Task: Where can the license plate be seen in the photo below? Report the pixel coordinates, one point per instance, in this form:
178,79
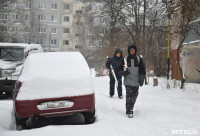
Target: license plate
55,105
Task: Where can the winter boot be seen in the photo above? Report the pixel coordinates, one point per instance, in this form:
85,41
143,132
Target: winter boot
130,115
120,97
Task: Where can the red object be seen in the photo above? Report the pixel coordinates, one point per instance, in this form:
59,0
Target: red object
19,84
176,73
28,108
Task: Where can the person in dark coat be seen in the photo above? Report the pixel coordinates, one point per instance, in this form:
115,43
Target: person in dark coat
115,61
133,77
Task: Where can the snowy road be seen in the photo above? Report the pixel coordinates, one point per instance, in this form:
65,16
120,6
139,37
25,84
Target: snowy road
157,113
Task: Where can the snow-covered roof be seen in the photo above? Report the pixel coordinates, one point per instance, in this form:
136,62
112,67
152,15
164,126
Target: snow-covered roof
23,45
196,20
26,46
192,42
60,65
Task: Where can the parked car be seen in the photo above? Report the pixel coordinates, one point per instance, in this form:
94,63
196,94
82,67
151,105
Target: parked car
12,56
52,85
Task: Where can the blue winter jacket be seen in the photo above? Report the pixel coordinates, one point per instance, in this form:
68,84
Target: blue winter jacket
115,61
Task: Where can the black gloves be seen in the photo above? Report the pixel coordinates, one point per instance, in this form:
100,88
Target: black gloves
124,73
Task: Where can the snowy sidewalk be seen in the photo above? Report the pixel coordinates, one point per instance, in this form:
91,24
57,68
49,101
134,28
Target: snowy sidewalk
157,113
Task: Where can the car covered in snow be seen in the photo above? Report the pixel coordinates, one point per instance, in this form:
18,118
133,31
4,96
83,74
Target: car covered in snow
52,85
12,56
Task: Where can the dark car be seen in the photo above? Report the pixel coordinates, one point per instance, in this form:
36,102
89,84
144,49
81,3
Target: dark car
12,56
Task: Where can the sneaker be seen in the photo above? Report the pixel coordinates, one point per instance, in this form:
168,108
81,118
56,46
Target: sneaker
130,115
120,97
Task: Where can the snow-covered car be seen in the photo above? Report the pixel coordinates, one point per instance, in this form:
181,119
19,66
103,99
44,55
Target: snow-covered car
52,85
12,56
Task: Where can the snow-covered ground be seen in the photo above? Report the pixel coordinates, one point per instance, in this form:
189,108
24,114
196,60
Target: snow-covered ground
158,112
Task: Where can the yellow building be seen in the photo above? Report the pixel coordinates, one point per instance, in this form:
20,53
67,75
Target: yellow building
72,24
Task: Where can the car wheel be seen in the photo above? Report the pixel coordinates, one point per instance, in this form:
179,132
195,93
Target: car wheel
20,123
89,117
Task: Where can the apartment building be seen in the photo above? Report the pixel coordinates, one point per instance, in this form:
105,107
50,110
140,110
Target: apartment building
72,25
55,24
43,23
95,34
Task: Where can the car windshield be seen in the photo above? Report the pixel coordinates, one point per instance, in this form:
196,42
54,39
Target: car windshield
12,54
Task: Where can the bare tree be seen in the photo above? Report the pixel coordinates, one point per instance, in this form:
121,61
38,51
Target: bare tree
144,20
140,22
6,8
189,11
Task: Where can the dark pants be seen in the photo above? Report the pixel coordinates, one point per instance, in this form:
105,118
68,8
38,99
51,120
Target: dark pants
112,85
131,96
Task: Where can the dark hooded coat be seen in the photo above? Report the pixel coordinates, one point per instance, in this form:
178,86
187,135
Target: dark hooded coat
115,61
136,69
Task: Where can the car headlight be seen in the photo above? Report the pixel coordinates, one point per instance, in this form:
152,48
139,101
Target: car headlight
6,73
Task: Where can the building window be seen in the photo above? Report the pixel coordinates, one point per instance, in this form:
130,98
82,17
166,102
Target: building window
15,17
91,56
14,29
53,42
77,35
15,4
66,18
53,18
100,44
79,23
91,44
27,40
27,30
42,5
90,19
66,42
79,11
78,46
90,32
42,29
54,6
3,28
100,31
66,30
41,18
66,7
28,5
26,17
42,41
3,17
54,30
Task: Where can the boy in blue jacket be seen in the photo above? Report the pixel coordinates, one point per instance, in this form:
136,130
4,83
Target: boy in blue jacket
115,61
